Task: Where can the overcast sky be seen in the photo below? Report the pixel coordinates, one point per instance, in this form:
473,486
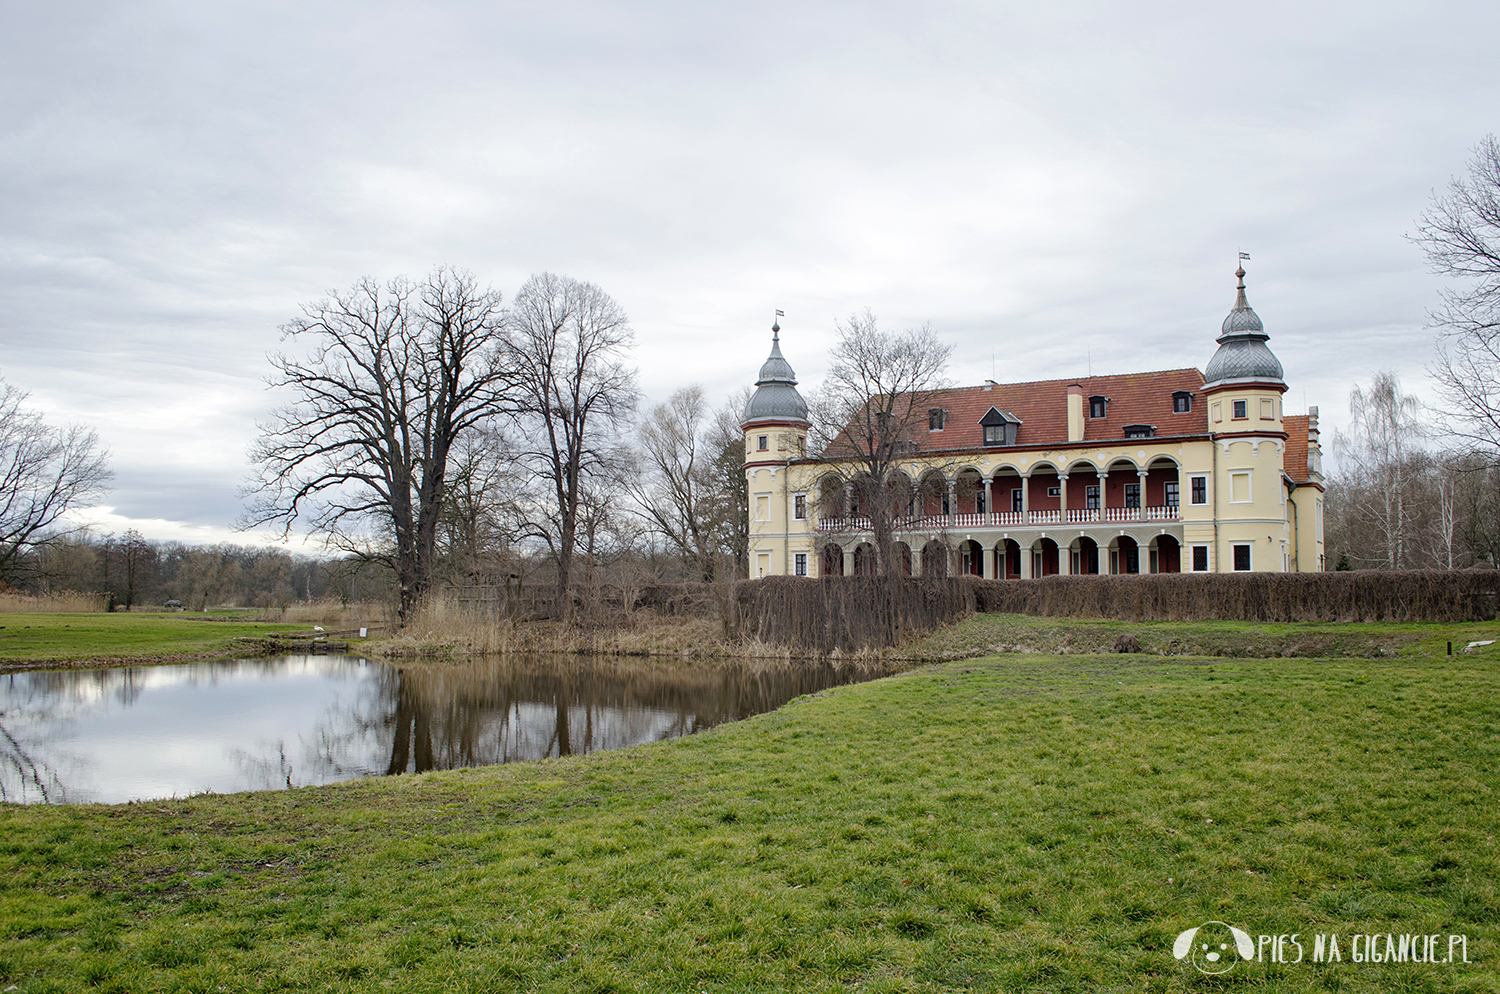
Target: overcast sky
1050,185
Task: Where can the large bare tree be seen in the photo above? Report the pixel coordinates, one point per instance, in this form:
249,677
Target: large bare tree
865,416
568,343
45,471
1460,233
396,375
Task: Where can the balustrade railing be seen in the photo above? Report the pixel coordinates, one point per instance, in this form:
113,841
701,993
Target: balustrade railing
1000,519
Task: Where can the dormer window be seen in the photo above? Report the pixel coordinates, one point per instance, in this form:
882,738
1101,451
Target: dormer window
1182,402
1097,406
1140,431
1000,427
936,417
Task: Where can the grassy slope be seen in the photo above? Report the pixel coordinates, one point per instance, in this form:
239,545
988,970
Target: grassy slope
79,637
987,634
1024,823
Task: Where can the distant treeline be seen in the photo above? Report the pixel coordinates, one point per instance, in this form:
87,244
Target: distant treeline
132,572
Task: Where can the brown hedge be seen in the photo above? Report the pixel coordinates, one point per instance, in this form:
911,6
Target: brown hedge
851,613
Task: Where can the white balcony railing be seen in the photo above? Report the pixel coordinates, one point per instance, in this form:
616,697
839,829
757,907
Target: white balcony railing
1012,519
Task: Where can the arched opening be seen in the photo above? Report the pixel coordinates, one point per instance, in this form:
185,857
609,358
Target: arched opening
1163,490
932,495
935,559
1005,495
833,504
1044,558
864,559
901,498
832,563
1008,560
1087,554
901,552
1167,556
1125,557
969,492
971,558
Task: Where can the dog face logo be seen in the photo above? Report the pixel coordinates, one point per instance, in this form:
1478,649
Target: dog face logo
1213,947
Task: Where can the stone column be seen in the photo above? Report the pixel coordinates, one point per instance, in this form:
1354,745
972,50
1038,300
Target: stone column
1140,475
1062,498
1025,507
1103,489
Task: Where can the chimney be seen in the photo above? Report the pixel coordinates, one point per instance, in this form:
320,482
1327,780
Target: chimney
1075,412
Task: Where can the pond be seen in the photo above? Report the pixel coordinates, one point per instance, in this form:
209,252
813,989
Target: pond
132,733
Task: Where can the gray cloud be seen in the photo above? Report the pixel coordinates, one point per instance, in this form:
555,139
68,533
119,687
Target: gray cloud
1049,185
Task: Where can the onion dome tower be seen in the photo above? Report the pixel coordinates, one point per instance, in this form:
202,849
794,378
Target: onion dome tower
776,400
1243,357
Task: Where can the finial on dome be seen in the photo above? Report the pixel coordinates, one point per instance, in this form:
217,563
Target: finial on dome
776,326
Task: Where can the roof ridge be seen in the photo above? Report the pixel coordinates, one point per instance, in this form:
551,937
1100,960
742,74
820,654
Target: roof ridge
1064,379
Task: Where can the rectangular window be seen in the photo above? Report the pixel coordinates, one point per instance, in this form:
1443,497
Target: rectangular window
1054,491
1200,559
1015,500
1169,493
801,445
1182,402
979,502
762,507
994,434
763,443
1091,498
935,419
1097,406
1239,410
1318,516
781,443
1200,489
800,559
1266,412
1242,558
1239,488
1132,495
799,507
1218,412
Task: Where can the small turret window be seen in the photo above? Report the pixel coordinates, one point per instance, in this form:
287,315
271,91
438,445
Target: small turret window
1182,402
1240,410
763,443
1098,406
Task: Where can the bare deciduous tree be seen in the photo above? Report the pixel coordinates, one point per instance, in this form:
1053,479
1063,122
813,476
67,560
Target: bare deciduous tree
675,490
1376,459
567,342
397,375
872,400
45,471
1460,233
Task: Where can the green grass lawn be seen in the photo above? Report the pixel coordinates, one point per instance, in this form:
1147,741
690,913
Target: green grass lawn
987,634
1011,824
77,637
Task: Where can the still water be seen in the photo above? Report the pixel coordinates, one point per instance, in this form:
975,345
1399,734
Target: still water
110,735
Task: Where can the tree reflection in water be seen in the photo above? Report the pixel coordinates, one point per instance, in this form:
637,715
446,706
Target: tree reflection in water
250,724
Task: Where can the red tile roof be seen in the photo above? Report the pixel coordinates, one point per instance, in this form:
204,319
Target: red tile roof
1295,459
1042,407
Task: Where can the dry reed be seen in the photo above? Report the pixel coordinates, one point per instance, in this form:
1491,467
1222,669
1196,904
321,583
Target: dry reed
331,612
62,602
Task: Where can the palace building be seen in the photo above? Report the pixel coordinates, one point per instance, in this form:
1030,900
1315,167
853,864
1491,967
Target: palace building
1158,472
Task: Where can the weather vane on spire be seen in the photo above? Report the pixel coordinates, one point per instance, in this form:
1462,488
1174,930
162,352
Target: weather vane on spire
776,325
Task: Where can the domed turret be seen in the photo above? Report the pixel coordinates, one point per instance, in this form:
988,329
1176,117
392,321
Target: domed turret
1243,356
776,397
